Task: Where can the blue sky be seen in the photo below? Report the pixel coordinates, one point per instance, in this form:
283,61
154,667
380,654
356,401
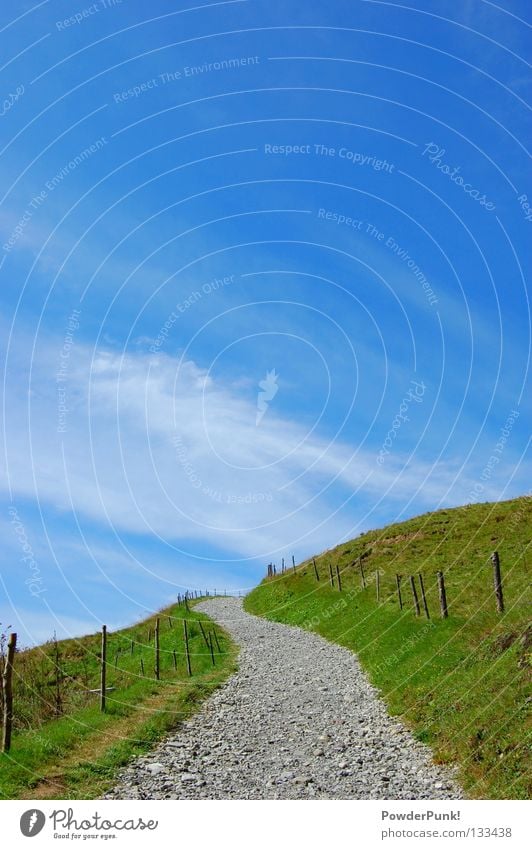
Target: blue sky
315,212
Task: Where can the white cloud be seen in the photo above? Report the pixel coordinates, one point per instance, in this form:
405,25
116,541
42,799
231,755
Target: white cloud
156,446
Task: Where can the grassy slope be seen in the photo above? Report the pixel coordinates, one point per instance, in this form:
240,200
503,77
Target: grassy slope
77,755
462,683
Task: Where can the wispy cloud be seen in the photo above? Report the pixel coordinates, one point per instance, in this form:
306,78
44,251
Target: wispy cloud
155,446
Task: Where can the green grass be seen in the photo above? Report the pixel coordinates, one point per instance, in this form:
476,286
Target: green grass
77,755
463,684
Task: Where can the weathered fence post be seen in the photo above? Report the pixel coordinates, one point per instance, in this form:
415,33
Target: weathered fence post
187,652
132,646
316,569
141,667
398,582
293,563
414,595
203,634
442,594
2,661
362,575
103,676
378,585
331,577
215,635
211,648
58,678
422,585
338,578
497,582
7,687
157,651
175,659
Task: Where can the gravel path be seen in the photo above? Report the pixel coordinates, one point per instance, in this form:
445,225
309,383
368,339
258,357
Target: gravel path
298,720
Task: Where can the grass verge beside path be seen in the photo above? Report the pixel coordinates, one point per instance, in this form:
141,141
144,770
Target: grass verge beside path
463,684
77,755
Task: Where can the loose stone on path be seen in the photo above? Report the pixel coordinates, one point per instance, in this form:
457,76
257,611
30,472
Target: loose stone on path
298,720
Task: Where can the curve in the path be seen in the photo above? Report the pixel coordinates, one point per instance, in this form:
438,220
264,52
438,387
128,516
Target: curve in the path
298,720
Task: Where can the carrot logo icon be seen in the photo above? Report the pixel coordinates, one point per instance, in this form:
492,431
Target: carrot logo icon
269,391
32,822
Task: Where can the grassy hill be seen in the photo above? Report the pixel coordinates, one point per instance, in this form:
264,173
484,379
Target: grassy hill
462,683
63,746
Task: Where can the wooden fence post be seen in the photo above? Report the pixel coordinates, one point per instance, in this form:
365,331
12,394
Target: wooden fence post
58,678
7,687
157,651
378,585
338,578
103,676
203,634
175,659
316,569
497,582
442,594
187,652
362,575
398,582
141,667
414,595
425,605
211,648
293,563
215,635
331,577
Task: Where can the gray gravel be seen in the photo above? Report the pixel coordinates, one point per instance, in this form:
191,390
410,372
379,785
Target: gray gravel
298,720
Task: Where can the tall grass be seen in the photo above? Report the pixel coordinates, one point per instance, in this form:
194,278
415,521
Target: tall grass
60,733
462,683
